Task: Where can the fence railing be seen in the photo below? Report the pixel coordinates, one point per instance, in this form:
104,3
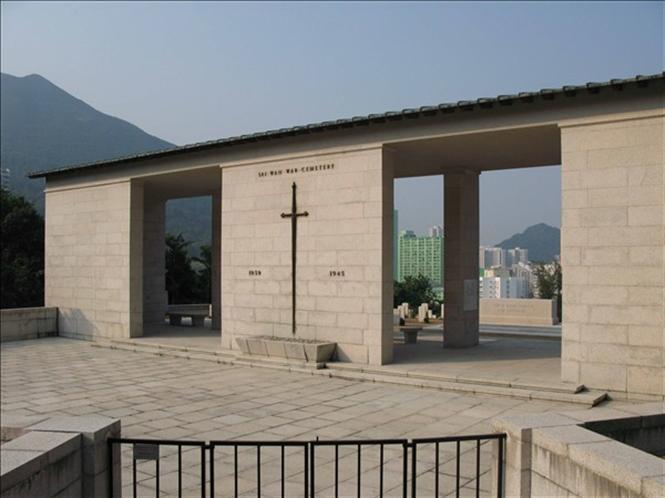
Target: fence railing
443,466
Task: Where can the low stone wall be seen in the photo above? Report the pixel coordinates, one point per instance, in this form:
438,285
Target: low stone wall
518,312
556,454
18,324
62,456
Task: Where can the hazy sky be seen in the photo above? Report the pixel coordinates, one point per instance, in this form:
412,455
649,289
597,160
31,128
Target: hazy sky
188,72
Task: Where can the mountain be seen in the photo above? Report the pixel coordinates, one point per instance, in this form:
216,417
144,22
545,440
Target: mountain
543,242
44,127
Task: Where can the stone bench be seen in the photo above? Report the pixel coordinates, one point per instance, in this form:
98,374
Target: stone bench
410,334
197,312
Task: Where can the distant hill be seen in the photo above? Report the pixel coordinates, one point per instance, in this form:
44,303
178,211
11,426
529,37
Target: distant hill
543,242
44,127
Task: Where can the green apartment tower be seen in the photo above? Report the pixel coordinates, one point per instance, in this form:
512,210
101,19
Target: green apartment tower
420,255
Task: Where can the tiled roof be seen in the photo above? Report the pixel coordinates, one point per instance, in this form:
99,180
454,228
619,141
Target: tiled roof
546,94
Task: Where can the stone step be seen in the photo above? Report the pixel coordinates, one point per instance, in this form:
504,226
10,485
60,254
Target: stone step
551,387
153,346
584,397
545,336
348,371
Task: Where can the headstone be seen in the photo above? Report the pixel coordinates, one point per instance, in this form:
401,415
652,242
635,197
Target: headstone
404,310
423,310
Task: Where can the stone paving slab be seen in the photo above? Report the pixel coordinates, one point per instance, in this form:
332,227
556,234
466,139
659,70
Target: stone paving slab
167,397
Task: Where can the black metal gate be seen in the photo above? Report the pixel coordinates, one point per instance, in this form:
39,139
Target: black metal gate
444,466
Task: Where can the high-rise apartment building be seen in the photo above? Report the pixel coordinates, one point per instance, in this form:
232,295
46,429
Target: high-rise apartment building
420,255
493,256
516,256
503,288
436,231
5,178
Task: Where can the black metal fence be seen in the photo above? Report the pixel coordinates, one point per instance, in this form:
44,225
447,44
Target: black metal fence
439,466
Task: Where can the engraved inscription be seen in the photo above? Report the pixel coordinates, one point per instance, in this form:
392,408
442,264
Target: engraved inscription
337,273
254,273
293,171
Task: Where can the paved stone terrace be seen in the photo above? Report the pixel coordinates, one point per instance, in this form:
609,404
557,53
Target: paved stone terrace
160,397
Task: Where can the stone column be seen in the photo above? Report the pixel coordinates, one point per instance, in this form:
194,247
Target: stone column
216,274
612,239
461,222
136,213
155,300
383,354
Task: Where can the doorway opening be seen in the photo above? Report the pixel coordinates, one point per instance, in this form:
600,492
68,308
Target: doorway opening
182,258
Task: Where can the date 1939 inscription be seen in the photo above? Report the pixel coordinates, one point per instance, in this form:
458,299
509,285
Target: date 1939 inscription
301,169
254,273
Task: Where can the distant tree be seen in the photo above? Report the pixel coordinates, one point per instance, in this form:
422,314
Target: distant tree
204,274
413,290
22,242
181,279
548,282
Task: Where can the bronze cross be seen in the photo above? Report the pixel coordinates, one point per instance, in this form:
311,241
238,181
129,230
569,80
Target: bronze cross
294,215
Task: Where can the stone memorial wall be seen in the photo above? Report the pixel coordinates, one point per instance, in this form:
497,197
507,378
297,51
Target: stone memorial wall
347,198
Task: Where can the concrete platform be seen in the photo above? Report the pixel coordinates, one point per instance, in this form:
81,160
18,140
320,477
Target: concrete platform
511,359
521,367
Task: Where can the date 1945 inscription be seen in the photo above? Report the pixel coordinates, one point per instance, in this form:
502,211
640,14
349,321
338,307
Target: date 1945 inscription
337,273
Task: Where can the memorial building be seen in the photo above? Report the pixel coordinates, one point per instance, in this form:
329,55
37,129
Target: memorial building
303,226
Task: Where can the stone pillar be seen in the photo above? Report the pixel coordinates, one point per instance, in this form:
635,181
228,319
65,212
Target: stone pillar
384,353
612,239
155,299
136,213
461,221
216,274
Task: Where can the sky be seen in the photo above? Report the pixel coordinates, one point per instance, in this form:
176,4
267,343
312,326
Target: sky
188,72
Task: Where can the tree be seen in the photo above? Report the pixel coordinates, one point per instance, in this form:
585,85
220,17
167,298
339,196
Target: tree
549,283
204,275
413,290
22,234
181,279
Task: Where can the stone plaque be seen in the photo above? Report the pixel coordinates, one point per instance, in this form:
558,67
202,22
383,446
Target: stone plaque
470,294
144,451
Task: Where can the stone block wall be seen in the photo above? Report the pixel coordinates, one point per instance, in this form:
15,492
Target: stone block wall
556,454
87,259
341,280
518,311
28,323
62,456
612,243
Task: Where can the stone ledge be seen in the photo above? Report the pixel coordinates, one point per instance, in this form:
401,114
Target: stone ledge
558,439
617,462
548,444
56,444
